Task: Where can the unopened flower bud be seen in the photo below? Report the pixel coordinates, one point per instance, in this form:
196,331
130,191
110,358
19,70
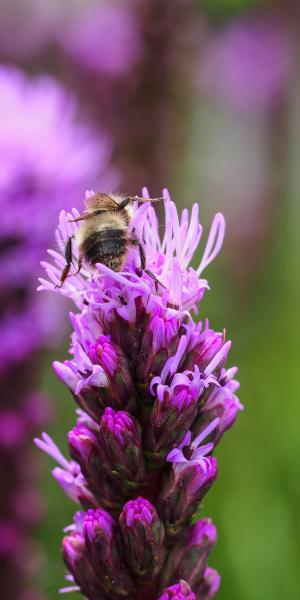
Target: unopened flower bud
83,443
179,591
85,450
120,438
105,354
76,558
209,585
104,546
114,363
143,535
190,558
200,539
183,491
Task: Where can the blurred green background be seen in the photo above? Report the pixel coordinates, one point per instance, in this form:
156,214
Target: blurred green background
239,154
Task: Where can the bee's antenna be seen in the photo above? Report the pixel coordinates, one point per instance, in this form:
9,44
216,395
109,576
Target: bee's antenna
140,199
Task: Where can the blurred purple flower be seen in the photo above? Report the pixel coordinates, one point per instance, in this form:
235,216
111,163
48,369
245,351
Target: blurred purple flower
103,38
46,160
147,381
47,157
26,27
248,63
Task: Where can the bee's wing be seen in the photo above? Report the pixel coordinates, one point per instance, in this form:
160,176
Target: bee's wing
100,201
59,246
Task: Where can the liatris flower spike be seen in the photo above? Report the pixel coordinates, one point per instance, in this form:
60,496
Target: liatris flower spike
154,398
46,156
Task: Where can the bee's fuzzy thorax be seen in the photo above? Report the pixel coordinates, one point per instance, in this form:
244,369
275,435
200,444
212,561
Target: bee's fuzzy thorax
99,223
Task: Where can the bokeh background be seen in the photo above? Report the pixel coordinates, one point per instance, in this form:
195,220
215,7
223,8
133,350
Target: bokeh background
202,97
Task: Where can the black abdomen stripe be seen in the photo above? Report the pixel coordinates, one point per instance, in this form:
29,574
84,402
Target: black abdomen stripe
107,243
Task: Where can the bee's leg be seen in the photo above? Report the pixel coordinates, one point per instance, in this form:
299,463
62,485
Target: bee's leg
68,257
157,282
136,242
141,252
79,263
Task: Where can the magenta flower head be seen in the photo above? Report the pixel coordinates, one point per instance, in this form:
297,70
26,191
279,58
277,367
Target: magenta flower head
155,397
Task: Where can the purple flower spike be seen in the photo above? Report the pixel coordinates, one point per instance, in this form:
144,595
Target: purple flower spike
179,591
155,397
48,155
143,535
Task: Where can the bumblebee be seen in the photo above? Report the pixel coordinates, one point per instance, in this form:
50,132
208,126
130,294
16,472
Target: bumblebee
104,236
